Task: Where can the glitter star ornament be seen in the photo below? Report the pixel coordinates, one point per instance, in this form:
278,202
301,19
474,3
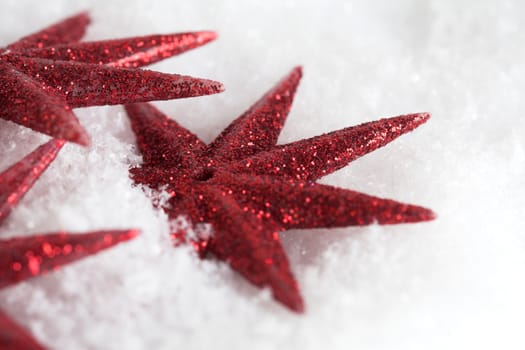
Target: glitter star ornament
25,257
46,74
250,189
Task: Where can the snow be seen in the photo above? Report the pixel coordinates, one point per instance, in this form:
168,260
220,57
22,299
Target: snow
453,283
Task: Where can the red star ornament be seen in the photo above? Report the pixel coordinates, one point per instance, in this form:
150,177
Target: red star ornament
46,74
22,258
249,188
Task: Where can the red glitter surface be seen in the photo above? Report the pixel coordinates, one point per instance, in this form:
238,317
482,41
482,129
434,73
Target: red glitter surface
250,189
18,179
14,337
46,74
25,257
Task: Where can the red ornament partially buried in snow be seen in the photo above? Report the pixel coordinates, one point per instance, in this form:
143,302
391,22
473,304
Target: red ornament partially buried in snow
249,188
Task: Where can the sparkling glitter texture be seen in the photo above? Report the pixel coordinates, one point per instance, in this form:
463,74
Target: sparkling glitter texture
249,188
25,257
18,179
46,74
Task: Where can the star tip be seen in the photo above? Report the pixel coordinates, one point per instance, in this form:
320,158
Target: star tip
296,73
74,133
410,121
420,118
81,138
84,142
419,214
206,36
214,87
424,116
298,307
119,236
296,304
289,296
428,215
204,87
400,213
220,87
132,233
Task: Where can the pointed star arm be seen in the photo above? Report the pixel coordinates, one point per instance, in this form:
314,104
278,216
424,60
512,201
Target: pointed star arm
298,204
22,258
69,30
161,140
20,177
313,158
259,127
86,84
12,336
128,52
27,103
252,247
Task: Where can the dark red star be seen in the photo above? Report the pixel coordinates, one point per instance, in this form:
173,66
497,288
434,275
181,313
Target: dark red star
46,74
249,188
26,257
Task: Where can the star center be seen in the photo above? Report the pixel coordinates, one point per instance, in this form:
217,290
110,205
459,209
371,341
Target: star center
204,174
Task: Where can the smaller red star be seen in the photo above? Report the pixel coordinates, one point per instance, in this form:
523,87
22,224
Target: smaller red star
46,74
250,189
22,258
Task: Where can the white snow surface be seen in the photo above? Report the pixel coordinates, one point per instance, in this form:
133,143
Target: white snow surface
455,283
